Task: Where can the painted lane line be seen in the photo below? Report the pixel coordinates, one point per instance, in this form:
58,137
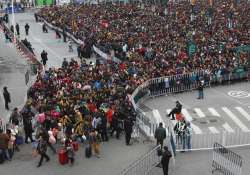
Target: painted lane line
159,119
213,130
243,112
214,112
235,119
226,126
199,112
188,117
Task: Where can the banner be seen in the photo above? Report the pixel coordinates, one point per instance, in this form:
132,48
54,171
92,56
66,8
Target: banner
62,2
43,2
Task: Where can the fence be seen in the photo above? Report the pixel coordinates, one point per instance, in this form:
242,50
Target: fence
144,164
97,50
226,161
186,82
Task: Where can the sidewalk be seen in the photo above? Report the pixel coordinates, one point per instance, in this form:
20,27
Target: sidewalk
12,75
43,41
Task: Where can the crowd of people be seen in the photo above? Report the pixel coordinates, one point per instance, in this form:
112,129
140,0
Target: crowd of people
82,101
157,39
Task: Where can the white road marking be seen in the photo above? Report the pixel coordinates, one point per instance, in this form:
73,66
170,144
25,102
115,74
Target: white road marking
235,119
199,112
243,112
188,117
213,130
226,126
214,112
159,119
229,97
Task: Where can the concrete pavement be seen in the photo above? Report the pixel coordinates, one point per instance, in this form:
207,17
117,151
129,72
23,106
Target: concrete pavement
12,74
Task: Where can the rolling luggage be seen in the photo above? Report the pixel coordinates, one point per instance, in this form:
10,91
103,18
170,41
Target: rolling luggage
63,157
88,152
75,146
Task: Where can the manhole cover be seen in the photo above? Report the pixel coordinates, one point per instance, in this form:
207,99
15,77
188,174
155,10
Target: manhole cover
212,120
203,122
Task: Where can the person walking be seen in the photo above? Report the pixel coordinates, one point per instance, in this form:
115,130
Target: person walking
42,149
27,128
160,135
17,29
128,128
15,117
44,56
12,28
104,129
166,155
200,90
27,27
69,150
7,98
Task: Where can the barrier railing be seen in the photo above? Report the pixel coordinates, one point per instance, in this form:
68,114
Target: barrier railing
35,65
186,82
144,164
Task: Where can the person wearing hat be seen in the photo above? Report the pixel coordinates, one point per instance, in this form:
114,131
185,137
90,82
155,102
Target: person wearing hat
6,96
166,155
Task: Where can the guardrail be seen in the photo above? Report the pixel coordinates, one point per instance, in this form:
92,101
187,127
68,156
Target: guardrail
186,82
35,65
103,55
144,164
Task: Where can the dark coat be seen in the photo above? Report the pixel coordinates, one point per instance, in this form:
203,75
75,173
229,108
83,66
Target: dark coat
6,96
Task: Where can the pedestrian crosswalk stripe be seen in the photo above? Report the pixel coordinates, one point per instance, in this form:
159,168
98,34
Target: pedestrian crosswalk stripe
214,112
187,115
159,119
243,112
213,130
227,127
235,119
199,112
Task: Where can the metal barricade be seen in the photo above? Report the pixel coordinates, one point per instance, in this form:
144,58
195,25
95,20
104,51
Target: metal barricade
144,164
226,161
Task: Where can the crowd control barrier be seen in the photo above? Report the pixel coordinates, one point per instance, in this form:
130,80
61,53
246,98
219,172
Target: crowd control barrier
97,50
35,65
144,164
186,82
226,161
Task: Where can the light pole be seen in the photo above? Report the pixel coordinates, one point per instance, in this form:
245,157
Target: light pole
13,20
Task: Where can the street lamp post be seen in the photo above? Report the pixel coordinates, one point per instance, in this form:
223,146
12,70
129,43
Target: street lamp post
13,20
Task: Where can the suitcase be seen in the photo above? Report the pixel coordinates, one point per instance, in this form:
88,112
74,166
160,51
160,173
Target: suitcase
88,152
62,157
75,146
19,140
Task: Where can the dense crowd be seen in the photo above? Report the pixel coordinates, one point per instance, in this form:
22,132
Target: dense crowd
156,39
80,101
